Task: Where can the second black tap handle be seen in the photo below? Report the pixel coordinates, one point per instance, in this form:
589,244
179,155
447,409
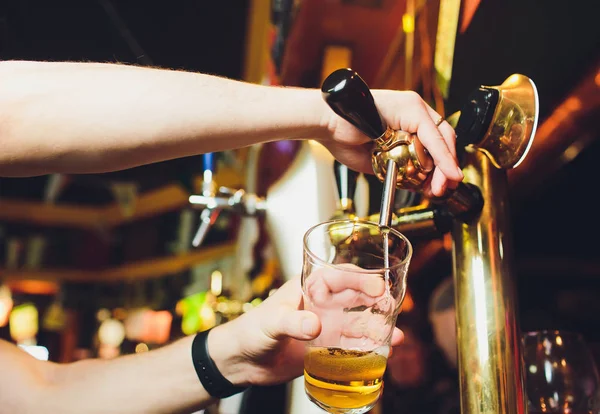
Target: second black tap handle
349,97
346,180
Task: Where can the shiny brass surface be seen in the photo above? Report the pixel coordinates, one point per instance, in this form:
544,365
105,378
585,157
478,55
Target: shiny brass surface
514,122
346,210
347,205
415,221
411,158
389,140
489,347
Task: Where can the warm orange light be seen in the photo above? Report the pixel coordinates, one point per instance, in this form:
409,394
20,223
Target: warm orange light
119,314
408,304
448,242
573,103
146,325
162,327
469,9
33,287
335,57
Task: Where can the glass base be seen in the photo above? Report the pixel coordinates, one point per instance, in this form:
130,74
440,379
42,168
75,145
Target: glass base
336,410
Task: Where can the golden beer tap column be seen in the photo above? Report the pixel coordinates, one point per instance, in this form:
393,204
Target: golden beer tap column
489,344
491,376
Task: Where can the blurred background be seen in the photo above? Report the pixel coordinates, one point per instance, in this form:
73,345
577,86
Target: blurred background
103,265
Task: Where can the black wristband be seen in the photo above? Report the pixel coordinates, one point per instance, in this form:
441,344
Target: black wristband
209,375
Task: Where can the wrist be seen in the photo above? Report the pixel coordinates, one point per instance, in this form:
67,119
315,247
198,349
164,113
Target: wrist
225,350
325,122
305,109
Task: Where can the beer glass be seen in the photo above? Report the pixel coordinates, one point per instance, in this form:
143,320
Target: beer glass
561,373
354,279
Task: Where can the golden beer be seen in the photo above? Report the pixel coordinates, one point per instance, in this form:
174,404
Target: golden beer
343,380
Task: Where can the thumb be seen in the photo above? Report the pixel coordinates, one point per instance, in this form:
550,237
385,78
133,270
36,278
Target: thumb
297,324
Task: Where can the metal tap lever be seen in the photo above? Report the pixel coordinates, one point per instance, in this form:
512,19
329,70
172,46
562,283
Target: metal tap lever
237,201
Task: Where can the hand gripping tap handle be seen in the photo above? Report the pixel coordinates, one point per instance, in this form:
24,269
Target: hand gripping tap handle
399,159
349,97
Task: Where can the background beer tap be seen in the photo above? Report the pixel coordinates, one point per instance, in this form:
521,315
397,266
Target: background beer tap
215,199
209,190
347,181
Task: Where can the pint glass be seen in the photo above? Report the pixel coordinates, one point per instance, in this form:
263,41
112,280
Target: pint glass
354,279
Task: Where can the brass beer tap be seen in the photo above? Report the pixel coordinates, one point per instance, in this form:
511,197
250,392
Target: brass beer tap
495,129
214,200
398,157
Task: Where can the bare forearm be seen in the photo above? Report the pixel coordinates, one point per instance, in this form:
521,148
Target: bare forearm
161,381
82,117
150,383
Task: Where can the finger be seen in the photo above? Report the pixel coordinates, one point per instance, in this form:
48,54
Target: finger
420,122
449,136
445,129
337,280
319,294
439,183
397,337
301,325
427,185
432,139
289,294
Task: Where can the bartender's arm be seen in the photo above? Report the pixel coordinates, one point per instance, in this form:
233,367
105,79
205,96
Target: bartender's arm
263,346
91,117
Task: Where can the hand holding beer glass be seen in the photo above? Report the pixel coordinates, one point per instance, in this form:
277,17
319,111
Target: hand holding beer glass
354,280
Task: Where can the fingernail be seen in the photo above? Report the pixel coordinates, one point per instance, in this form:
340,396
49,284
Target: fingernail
460,173
307,327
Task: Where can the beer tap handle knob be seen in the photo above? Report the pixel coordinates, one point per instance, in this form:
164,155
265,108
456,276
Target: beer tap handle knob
346,181
349,96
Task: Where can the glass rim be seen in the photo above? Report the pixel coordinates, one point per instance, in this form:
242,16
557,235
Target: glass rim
322,262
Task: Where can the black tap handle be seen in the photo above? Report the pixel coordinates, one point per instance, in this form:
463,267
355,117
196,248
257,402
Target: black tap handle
476,116
346,180
349,97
